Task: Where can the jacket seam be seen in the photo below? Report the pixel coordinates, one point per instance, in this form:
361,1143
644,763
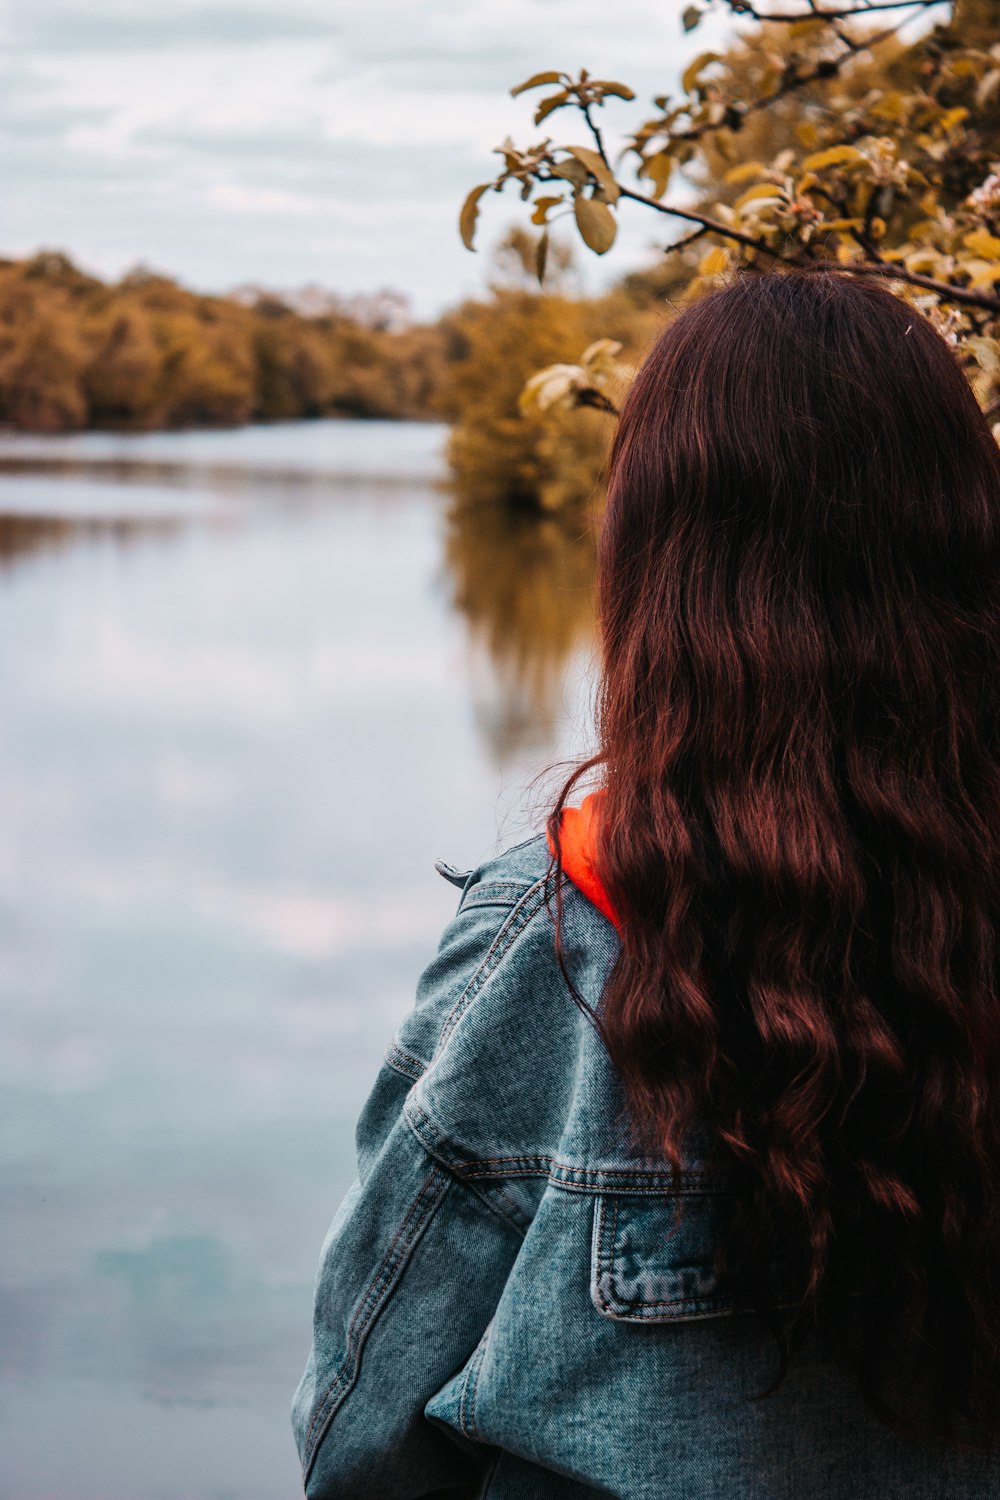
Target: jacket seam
560,1174
470,1386
531,902
421,1209
405,1062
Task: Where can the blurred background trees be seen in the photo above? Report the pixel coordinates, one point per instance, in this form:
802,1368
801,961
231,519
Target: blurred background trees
145,352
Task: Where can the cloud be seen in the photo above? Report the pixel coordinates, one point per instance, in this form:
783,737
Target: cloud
195,137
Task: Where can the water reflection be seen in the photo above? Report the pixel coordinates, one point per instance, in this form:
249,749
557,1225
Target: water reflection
25,536
252,688
525,585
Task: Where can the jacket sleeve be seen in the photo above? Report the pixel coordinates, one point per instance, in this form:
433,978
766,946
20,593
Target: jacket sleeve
411,1271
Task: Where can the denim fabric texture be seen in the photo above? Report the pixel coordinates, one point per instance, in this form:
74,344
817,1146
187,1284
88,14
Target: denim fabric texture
509,1304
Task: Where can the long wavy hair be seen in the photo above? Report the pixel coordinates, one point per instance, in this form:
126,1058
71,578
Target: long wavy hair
799,743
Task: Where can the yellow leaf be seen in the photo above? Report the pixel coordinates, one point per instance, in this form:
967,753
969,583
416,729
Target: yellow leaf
596,224
536,81
986,353
470,213
598,168
953,117
694,67
988,277
541,256
744,171
542,206
981,242
891,106
923,262
834,156
612,86
761,191
714,262
657,168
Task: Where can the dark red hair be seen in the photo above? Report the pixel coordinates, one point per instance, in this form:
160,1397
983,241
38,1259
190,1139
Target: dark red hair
799,609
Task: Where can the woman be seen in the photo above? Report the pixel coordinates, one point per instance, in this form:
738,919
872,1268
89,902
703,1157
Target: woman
682,1179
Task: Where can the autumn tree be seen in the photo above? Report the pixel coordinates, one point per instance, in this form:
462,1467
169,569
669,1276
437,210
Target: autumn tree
828,132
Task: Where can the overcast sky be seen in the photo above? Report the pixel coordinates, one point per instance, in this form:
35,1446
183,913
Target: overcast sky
289,141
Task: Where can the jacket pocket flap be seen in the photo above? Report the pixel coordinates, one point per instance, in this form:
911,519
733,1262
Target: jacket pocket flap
652,1259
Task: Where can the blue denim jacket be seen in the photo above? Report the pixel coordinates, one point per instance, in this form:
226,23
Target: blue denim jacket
508,1304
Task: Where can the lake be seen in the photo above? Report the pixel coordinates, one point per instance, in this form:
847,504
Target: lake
253,684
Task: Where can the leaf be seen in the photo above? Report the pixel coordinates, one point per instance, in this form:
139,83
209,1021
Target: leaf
923,262
600,354
535,81
986,278
986,353
598,169
610,86
953,117
694,67
542,206
557,384
891,106
744,171
596,224
987,88
981,242
690,17
657,168
759,193
714,262
553,102
469,214
834,156
573,171
541,256
808,27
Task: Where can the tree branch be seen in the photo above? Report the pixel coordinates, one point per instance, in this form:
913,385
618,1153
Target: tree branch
842,13
966,296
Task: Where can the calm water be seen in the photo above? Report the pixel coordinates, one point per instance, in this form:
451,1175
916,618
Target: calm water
253,683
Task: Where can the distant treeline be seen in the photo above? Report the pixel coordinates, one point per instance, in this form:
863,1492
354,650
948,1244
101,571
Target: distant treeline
76,352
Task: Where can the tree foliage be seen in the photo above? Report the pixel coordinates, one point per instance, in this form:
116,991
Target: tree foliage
513,443
76,352
821,135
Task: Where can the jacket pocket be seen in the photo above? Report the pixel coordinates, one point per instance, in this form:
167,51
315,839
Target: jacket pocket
652,1258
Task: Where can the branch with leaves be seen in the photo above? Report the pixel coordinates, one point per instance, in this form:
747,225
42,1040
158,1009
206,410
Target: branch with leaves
881,157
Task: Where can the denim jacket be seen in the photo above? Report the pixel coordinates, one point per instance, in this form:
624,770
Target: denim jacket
508,1303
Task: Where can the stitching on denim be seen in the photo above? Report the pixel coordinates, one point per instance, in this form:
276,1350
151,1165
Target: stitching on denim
561,1174
520,915
369,1303
405,1062
431,1193
697,1175
369,1299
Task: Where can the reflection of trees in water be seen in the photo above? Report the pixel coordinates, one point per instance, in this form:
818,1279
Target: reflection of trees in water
524,582
24,536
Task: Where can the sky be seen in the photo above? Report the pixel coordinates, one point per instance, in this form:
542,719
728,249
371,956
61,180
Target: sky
286,142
